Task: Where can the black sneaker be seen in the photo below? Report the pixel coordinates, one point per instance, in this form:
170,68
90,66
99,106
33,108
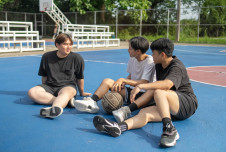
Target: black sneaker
169,137
51,112
106,126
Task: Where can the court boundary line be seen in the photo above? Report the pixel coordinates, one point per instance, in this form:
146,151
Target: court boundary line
105,62
207,71
181,50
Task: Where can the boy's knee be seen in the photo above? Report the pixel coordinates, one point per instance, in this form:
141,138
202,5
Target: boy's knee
158,92
31,93
108,81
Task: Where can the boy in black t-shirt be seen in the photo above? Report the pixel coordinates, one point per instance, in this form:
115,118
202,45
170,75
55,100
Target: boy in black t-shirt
172,92
61,71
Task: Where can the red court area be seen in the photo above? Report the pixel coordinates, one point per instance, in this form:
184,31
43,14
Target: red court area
214,75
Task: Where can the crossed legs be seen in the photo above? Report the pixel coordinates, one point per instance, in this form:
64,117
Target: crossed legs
167,103
40,96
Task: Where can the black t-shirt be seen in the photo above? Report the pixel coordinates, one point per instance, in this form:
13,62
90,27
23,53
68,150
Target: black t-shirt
61,71
177,73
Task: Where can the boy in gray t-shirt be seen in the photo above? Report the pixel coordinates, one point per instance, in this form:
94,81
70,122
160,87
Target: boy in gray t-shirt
141,70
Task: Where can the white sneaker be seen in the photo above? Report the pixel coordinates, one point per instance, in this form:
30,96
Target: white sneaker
121,114
86,105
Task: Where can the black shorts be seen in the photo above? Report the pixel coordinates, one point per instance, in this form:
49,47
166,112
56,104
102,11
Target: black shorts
187,106
54,90
127,98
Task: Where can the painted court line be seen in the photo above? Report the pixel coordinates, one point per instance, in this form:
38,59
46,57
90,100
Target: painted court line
198,52
211,75
104,62
208,83
207,71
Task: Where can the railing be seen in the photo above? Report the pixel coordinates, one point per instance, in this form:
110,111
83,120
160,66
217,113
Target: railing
14,40
15,35
21,46
7,25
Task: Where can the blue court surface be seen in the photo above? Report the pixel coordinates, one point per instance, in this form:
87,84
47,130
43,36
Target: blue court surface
23,130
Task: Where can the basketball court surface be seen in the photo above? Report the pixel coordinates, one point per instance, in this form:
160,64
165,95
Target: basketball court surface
23,130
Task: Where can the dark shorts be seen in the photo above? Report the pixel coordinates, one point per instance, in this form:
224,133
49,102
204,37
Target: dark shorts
188,105
54,90
127,97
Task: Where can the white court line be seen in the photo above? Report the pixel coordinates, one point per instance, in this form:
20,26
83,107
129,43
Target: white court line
90,60
190,68
198,52
208,83
206,71
104,62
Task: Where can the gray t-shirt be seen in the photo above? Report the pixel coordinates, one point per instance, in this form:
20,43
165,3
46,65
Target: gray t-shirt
142,70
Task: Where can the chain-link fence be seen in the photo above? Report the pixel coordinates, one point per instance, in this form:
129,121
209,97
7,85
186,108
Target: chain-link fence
195,23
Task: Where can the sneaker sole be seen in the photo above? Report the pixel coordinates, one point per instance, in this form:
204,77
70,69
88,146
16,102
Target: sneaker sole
51,112
170,144
83,108
99,122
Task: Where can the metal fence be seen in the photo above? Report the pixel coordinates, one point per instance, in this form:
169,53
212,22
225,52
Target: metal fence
194,22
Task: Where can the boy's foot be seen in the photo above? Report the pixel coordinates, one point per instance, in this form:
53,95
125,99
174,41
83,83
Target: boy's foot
169,137
86,105
121,114
51,112
106,126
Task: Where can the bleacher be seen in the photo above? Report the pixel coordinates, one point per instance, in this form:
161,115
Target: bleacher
82,35
19,37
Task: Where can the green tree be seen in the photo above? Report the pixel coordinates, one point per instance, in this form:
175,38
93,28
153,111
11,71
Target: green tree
213,15
31,6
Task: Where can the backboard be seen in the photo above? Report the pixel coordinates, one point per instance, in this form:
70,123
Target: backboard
45,5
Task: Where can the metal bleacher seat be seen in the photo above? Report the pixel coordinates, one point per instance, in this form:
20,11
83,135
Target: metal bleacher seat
19,37
84,35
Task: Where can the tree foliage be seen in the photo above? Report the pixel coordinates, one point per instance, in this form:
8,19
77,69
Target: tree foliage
211,14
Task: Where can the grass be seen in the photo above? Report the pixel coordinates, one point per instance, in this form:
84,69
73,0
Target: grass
183,39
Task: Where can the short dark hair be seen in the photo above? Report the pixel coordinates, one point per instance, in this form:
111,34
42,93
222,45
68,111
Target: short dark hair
61,38
139,43
163,45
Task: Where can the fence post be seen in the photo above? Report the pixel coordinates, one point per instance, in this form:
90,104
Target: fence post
167,34
116,24
178,21
95,17
35,22
141,18
25,17
76,18
6,16
42,25
198,24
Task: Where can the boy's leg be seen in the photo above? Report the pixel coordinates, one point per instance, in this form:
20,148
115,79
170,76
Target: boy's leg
145,115
39,95
124,112
60,102
104,87
64,95
114,129
167,103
